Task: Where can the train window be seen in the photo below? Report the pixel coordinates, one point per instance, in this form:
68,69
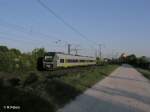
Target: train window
82,61
61,60
72,60
75,60
68,60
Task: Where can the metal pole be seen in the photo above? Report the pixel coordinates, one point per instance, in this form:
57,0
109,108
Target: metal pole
100,51
69,48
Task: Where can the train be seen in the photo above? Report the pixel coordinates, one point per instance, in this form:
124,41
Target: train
54,60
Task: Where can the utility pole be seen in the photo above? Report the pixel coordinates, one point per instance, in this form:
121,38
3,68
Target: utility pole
76,50
96,53
69,48
100,51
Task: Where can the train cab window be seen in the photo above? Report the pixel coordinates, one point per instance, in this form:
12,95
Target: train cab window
48,58
61,60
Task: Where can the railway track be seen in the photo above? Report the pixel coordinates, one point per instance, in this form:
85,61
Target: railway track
66,71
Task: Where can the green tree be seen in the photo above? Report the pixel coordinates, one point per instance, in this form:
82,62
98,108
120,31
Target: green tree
4,49
143,62
132,59
38,52
15,51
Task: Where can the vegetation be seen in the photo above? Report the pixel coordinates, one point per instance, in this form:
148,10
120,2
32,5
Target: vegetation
142,62
70,85
41,94
145,72
28,102
22,85
12,60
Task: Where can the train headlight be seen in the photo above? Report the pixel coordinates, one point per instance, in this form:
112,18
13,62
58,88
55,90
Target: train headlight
48,66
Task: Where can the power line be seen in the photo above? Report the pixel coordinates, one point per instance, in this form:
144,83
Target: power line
64,22
12,39
25,30
21,39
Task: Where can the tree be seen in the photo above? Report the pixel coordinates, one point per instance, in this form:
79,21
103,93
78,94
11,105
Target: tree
132,59
3,49
38,52
15,51
37,55
123,58
143,62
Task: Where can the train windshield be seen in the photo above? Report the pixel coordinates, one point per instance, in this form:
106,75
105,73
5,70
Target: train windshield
49,57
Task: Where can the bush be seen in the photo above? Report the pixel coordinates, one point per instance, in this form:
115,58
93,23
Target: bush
1,82
28,102
14,81
12,60
40,63
32,78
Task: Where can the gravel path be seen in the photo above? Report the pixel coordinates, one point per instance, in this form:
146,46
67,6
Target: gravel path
125,90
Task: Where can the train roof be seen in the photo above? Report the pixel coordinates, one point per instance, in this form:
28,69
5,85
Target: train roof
67,54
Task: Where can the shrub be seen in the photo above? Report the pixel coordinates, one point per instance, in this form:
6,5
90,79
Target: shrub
32,78
14,81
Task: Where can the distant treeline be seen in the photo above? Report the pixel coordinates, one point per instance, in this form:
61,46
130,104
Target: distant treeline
13,60
142,62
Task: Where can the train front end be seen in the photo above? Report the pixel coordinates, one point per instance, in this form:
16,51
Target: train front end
48,61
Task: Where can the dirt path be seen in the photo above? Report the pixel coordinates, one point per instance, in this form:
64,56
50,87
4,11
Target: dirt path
125,90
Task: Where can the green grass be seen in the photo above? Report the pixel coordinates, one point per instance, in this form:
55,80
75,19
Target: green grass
145,72
66,88
82,81
40,94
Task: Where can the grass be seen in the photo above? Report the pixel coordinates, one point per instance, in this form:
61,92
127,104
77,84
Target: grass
37,93
145,72
64,89
28,101
85,80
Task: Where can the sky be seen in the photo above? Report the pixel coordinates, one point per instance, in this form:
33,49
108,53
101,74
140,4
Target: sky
118,25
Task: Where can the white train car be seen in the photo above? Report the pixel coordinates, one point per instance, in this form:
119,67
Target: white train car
53,60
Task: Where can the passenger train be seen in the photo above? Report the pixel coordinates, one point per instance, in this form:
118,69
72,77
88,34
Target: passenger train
53,60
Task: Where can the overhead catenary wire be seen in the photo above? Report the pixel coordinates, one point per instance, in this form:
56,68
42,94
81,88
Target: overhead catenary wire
25,30
20,39
21,42
65,22
14,39
5,36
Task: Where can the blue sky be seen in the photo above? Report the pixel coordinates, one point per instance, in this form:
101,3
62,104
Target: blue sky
119,25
